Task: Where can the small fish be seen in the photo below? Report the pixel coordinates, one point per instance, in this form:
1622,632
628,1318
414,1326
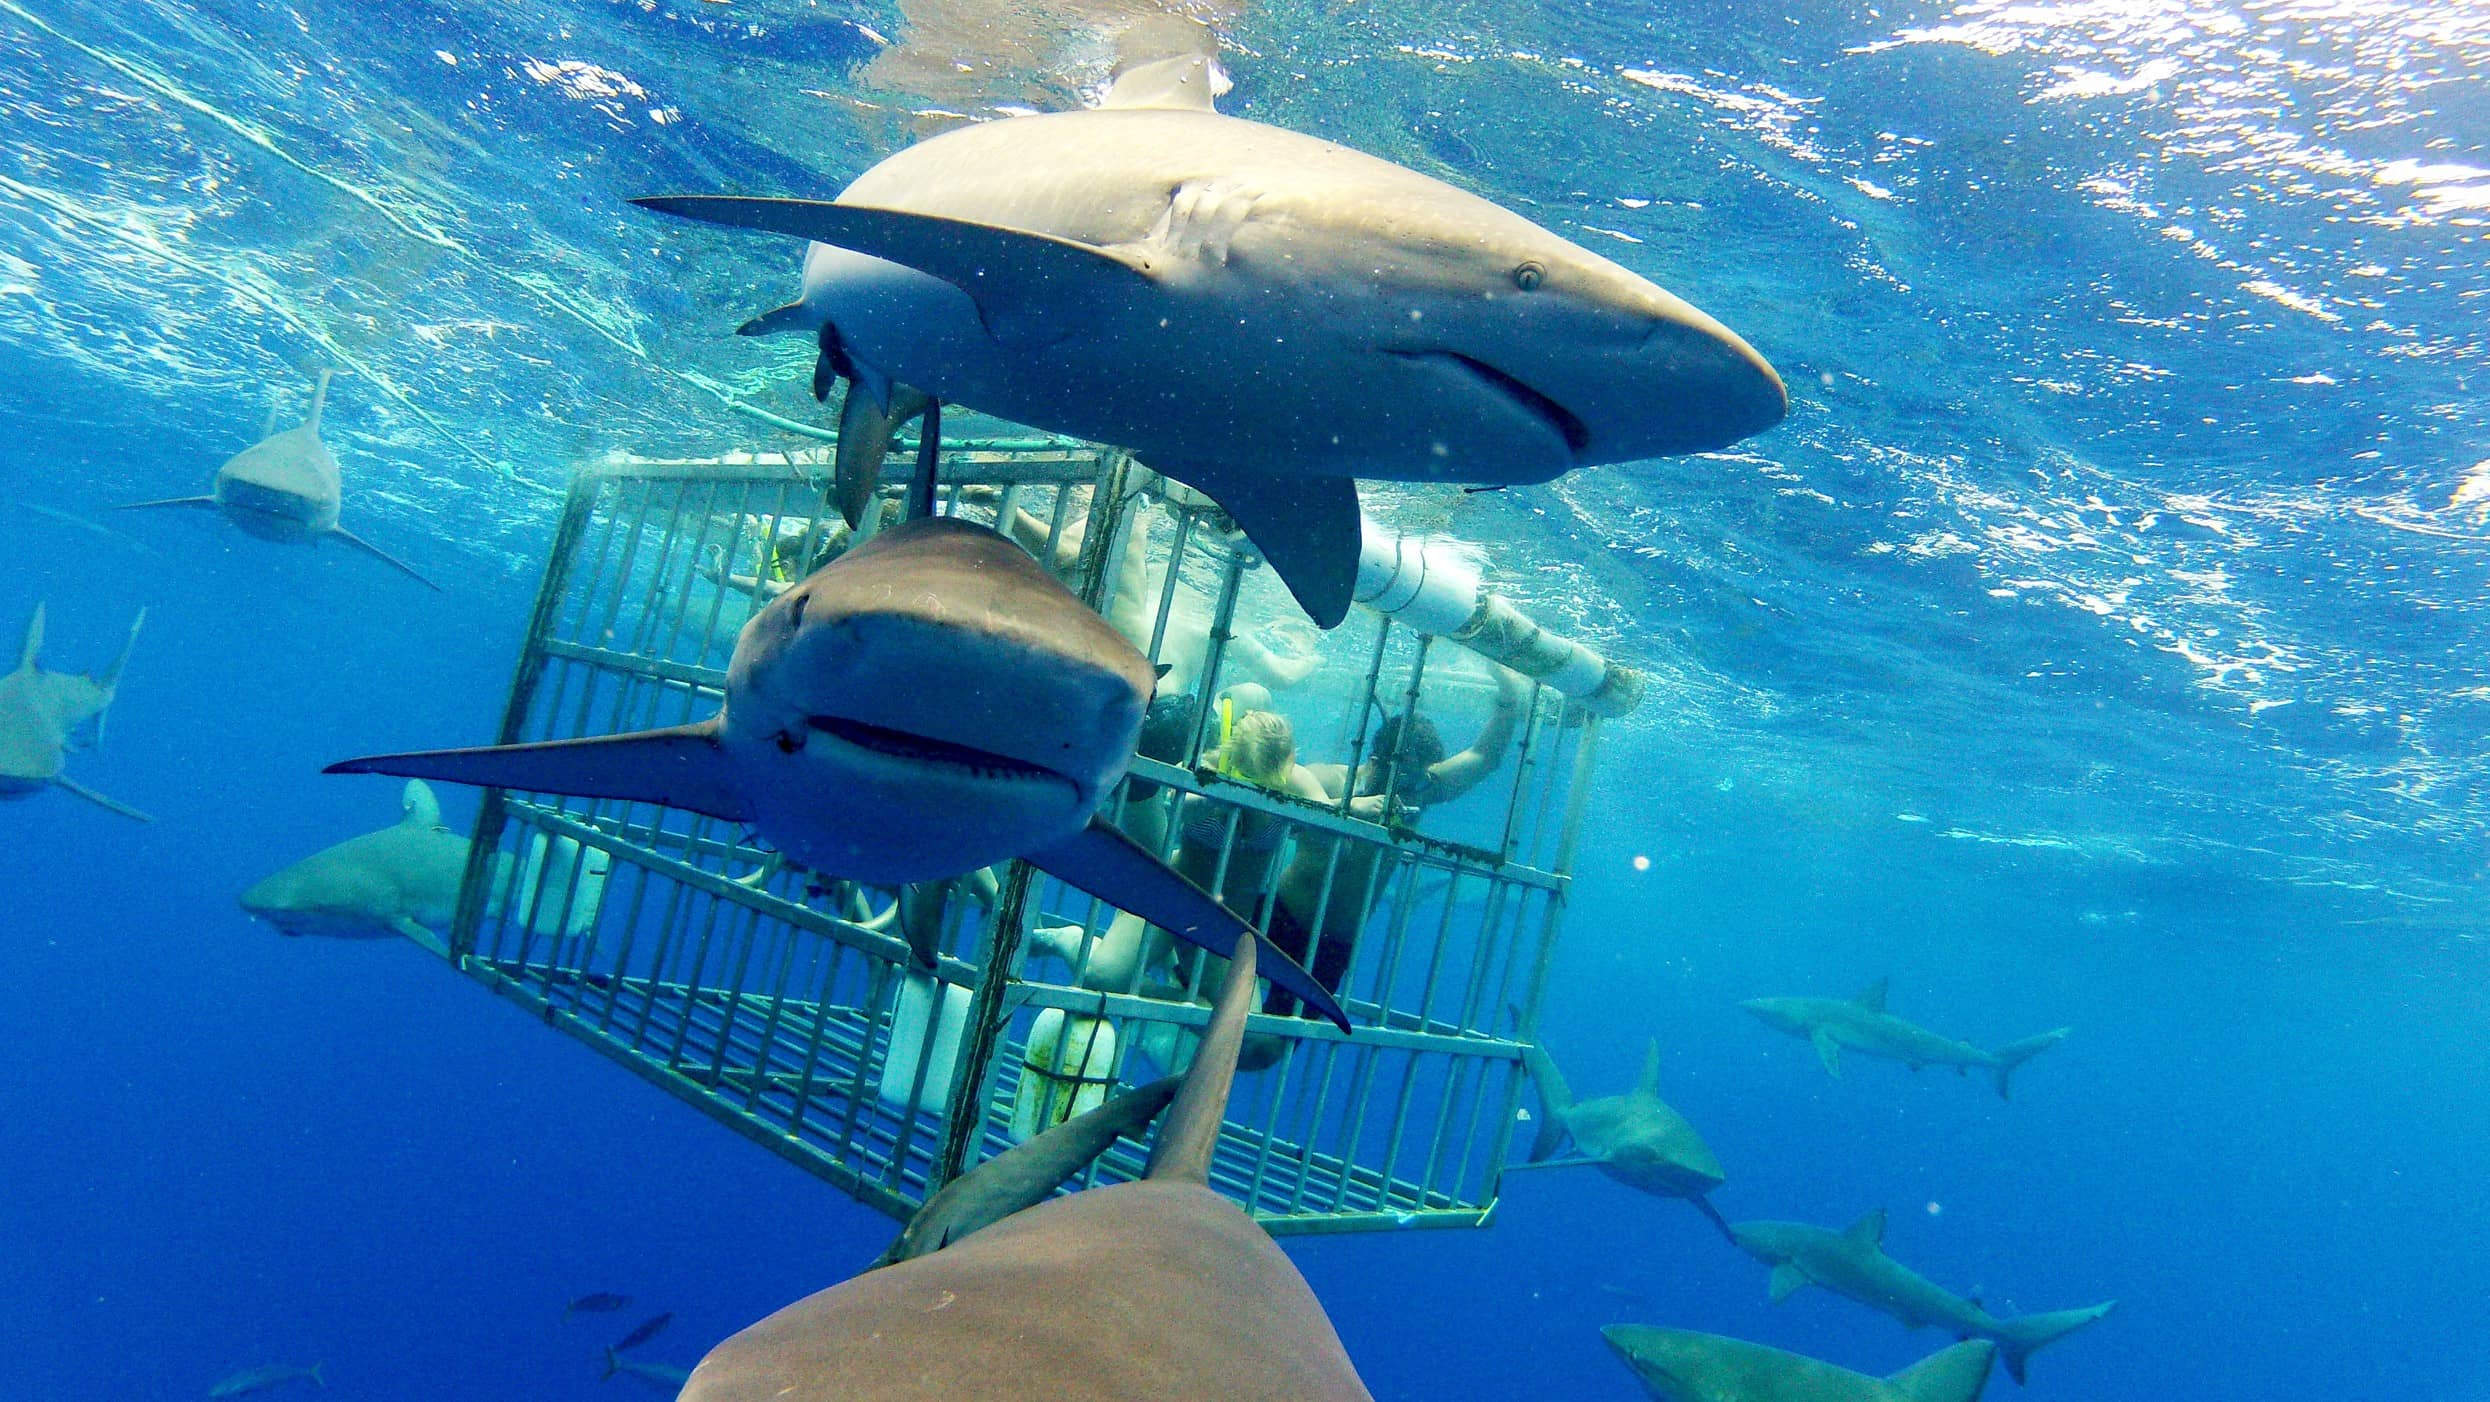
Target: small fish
598,1303
664,1375
251,1380
649,1328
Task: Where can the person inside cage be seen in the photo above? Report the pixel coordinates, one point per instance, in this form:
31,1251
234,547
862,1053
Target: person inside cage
1323,904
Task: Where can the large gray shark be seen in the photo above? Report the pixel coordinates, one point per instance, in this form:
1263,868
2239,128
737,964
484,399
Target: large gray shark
286,488
1138,1292
1863,1025
1636,1138
1261,314
928,703
1853,1264
401,880
1681,1366
44,715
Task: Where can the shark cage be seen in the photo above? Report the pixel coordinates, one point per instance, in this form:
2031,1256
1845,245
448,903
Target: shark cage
887,1041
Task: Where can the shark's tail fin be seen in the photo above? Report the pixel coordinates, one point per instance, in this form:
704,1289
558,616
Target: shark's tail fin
32,653
2019,1338
319,397
1190,1133
317,1379
2015,1054
1555,1099
613,1365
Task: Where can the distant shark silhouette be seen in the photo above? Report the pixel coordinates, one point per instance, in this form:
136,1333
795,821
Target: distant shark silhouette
1852,1263
1139,1292
1264,315
1636,1138
1682,1366
44,715
286,488
1863,1025
928,703
401,880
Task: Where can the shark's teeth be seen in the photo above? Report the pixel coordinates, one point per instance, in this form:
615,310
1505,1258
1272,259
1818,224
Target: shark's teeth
902,745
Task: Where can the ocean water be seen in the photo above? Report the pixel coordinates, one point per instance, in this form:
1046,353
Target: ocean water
2097,644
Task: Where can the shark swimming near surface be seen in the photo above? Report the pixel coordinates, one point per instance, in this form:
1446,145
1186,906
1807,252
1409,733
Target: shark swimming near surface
401,880
930,702
1862,1025
1852,1263
1263,315
44,715
1678,1365
1137,1292
286,488
1636,1138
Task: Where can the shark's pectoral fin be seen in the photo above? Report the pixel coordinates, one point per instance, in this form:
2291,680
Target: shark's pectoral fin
383,556
777,320
1030,288
423,938
1307,527
1027,1175
1104,862
1787,1280
1828,1051
207,502
99,800
681,767
867,419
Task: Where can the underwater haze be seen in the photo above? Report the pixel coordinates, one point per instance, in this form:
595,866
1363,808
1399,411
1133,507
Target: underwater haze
2098,643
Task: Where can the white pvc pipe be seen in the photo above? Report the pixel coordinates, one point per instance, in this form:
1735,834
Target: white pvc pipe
1432,586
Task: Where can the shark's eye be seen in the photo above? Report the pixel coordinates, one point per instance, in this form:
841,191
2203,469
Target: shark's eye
1528,277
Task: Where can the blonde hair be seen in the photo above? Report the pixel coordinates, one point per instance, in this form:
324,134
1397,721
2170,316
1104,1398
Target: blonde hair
1261,748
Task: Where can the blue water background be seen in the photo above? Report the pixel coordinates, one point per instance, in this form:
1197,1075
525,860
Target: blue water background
2098,645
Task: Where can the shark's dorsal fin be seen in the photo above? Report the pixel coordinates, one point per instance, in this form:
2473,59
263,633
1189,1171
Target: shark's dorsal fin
417,806
1030,288
1952,1375
319,398
1869,1230
1650,1083
1187,83
32,653
1872,997
681,766
1190,1133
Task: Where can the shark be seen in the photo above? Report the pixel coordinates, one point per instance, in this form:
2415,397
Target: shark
44,715
1679,1365
1146,1290
1264,315
930,702
1635,1138
1852,1263
285,488
1863,1025
400,880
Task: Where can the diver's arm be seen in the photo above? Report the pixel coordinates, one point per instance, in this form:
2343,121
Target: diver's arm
1453,777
